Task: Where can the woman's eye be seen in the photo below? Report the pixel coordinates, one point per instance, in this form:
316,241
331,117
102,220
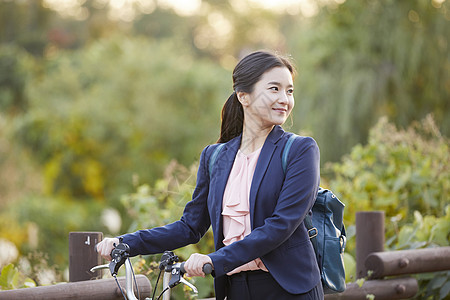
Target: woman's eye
273,88
290,91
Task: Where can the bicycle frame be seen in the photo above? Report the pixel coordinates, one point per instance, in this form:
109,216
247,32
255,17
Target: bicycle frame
129,288
129,280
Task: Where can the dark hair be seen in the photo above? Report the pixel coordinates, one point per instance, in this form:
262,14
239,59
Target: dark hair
245,75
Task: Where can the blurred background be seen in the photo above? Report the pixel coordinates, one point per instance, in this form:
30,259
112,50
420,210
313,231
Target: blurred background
105,106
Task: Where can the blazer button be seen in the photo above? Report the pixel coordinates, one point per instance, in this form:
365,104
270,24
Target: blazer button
225,269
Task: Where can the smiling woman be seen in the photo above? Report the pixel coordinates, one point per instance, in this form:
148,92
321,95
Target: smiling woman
256,210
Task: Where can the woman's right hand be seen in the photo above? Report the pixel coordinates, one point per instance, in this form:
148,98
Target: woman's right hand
106,246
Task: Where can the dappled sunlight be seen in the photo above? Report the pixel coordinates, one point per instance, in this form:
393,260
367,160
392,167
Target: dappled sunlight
128,10
112,220
8,253
68,8
182,7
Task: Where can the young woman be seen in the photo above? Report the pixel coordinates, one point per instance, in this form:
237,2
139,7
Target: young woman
256,209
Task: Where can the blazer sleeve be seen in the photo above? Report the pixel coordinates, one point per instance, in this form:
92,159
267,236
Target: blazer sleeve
189,229
297,196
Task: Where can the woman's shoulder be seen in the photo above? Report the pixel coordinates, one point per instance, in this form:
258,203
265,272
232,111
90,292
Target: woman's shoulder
299,141
298,147
212,148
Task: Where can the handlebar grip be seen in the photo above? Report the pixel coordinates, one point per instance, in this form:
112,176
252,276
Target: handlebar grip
182,268
207,268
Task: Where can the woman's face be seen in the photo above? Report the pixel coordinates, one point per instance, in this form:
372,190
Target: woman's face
271,101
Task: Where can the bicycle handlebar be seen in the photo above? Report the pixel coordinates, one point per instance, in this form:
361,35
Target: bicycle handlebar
169,263
207,268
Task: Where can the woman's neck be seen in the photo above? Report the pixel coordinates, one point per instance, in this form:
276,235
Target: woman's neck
253,138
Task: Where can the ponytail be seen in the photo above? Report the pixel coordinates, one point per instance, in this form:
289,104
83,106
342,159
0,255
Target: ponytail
232,119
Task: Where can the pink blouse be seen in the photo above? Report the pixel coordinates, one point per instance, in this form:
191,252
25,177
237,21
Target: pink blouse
236,215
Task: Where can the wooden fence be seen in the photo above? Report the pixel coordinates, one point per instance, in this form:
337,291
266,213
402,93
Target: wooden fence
369,256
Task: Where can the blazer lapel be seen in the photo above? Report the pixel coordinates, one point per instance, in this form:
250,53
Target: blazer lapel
269,147
221,172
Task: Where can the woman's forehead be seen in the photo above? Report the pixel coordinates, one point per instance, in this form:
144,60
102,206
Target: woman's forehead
280,75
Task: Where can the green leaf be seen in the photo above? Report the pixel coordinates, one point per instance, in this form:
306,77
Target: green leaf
370,297
350,267
360,282
437,282
401,181
8,277
445,290
29,283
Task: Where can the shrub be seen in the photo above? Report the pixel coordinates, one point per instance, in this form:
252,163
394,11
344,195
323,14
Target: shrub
404,173
398,172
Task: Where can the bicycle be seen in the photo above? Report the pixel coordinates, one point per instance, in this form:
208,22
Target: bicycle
173,272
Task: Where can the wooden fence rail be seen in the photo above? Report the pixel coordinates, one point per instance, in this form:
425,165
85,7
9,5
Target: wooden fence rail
390,289
101,289
408,261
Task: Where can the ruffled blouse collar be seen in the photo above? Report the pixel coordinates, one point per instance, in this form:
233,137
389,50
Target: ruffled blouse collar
236,215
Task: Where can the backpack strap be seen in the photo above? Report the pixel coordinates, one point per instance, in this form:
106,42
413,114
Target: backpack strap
213,157
287,147
312,231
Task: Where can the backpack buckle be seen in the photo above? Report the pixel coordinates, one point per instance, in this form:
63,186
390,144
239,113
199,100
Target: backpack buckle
313,232
343,242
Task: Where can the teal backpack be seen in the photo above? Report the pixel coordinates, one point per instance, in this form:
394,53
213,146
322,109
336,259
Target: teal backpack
325,228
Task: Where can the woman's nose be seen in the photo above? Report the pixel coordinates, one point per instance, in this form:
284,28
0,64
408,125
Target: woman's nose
284,98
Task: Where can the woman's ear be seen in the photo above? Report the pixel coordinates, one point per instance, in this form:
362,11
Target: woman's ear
243,98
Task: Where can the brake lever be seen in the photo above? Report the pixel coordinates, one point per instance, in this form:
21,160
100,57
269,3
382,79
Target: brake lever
185,282
105,266
177,277
119,255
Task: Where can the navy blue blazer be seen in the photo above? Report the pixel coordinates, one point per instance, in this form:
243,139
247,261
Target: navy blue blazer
279,203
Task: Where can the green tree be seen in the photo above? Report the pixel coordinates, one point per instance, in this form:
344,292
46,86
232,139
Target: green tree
365,59
13,78
25,24
120,107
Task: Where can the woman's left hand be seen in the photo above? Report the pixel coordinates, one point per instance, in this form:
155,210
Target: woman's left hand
194,265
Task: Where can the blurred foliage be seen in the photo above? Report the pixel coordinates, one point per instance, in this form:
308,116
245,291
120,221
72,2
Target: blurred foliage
25,24
397,171
11,278
13,78
44,223
358,61
426,232
162,204
405,173
122,112
363,60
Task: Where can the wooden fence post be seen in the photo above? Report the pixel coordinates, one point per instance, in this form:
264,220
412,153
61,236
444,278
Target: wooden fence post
369,238
82,255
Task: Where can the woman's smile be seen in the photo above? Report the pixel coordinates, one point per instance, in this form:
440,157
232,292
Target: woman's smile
281,110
